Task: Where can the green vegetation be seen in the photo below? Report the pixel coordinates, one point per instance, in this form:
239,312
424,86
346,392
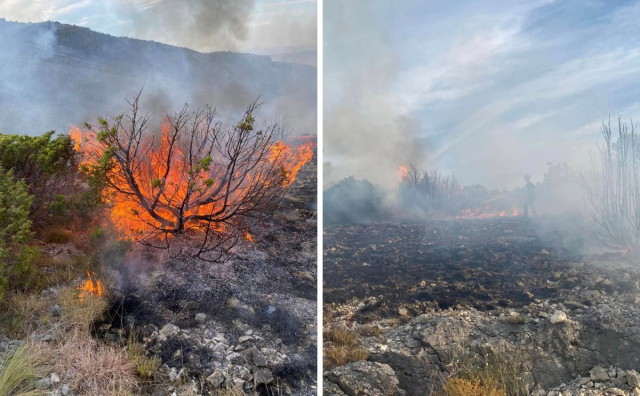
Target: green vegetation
145,366
15,227
47,166
18,372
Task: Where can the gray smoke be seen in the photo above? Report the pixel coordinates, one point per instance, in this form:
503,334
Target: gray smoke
203,24
53,76
368,132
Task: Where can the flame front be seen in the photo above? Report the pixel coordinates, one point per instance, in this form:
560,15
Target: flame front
154,173
91,287
485,212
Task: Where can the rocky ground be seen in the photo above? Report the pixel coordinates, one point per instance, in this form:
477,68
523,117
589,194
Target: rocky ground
437,293
248,323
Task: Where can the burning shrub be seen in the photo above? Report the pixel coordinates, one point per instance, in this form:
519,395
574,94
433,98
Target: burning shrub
194,182
613,188
354,201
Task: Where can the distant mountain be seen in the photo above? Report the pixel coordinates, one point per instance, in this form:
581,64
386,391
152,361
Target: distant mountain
54,75
299,54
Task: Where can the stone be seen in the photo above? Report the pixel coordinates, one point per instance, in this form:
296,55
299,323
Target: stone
633,379
558,317
55,378
173,374
201,318
235,358
43,383
216,379
615,391
65,390
170,330
598,374
56,310
263,376
256,357
365,378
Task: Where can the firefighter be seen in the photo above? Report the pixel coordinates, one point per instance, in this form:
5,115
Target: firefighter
529,197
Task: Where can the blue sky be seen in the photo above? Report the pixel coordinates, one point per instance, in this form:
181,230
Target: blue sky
488,90
203,25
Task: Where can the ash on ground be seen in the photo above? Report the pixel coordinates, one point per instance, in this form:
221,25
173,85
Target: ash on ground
423,297
249,322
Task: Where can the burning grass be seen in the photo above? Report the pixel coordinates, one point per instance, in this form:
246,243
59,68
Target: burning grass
88,367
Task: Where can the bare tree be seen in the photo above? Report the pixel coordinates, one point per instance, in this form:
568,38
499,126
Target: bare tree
195,182
430,191
613,189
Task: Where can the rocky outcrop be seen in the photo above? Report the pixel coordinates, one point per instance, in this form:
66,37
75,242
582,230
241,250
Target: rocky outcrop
362,379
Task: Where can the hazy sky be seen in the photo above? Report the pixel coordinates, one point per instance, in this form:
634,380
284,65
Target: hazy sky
203,25
490,90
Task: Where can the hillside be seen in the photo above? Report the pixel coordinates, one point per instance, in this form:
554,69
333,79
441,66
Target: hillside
54,75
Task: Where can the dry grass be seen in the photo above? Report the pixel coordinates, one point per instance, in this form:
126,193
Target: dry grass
19,371
472,387
88,367
370,330
21,313
516,320
341,337
92,369
80,316
357,354
341,347
495,374
234,391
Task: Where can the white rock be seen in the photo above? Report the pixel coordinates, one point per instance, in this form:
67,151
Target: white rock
558,317
170,330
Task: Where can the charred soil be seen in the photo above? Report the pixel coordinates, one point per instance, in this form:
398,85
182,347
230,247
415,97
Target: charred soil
426,297
246,323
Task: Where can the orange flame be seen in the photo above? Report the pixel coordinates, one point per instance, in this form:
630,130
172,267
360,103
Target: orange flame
402,172
153,172
248,236
484,212
90,287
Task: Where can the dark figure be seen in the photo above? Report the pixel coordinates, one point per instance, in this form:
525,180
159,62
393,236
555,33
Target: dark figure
529,197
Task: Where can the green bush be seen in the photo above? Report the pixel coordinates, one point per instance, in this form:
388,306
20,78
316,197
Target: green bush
15,226
48,165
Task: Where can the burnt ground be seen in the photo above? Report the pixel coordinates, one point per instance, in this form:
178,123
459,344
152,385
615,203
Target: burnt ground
484,271
261,301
